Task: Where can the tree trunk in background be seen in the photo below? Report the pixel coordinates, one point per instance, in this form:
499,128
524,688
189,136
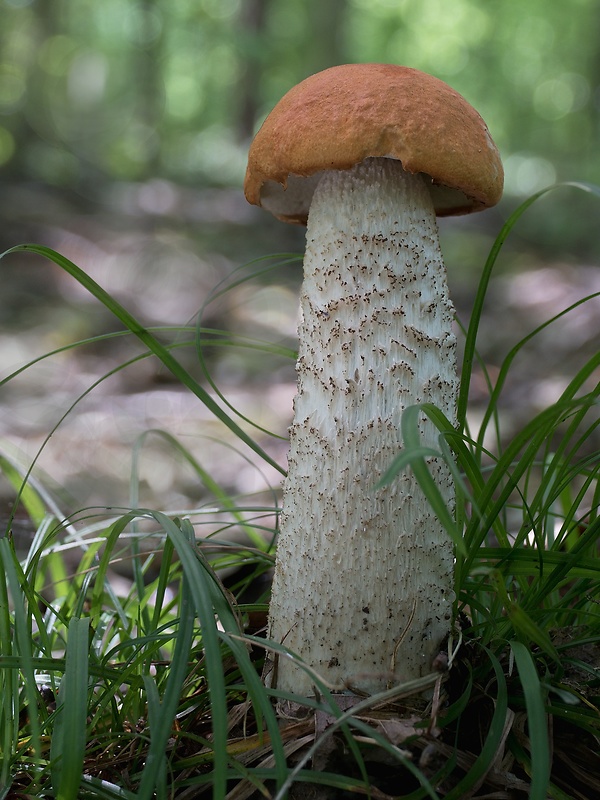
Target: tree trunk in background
327,35
321,40
27,128
147,67
252,21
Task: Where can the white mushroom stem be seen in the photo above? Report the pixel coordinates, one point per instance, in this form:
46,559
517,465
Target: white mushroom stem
363,579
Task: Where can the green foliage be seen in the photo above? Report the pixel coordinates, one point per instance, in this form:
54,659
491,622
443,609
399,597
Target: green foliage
132,90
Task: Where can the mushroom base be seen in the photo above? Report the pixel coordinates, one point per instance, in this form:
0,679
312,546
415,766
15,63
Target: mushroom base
363,584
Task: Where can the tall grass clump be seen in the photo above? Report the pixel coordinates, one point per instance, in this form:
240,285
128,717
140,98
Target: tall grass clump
154,690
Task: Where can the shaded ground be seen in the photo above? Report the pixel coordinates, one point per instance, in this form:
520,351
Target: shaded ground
160,250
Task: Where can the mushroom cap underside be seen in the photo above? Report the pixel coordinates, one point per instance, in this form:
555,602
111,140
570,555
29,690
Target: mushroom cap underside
343,115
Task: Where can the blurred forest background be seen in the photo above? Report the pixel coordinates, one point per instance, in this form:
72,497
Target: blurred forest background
124,130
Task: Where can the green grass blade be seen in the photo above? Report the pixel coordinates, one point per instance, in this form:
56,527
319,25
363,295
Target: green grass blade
516,460
209,482
231,281
488,752
162,714
24,488
31,500
415,455
478,303
9,693
203,595
210,601
508,361
69,740
536,721
149,340
23,598
482,289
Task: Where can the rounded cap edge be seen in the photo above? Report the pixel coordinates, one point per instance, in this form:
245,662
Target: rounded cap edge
337,118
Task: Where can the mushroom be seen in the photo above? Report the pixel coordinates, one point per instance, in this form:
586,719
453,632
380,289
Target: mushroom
366,155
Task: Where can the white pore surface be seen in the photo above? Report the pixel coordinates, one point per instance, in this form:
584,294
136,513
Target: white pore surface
363,581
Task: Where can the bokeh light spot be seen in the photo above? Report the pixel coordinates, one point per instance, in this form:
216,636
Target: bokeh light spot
557,97
87,78
525,173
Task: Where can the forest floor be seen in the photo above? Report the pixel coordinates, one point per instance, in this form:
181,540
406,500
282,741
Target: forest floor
160,250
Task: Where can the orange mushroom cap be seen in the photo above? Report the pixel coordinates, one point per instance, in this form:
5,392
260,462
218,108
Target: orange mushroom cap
343,115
